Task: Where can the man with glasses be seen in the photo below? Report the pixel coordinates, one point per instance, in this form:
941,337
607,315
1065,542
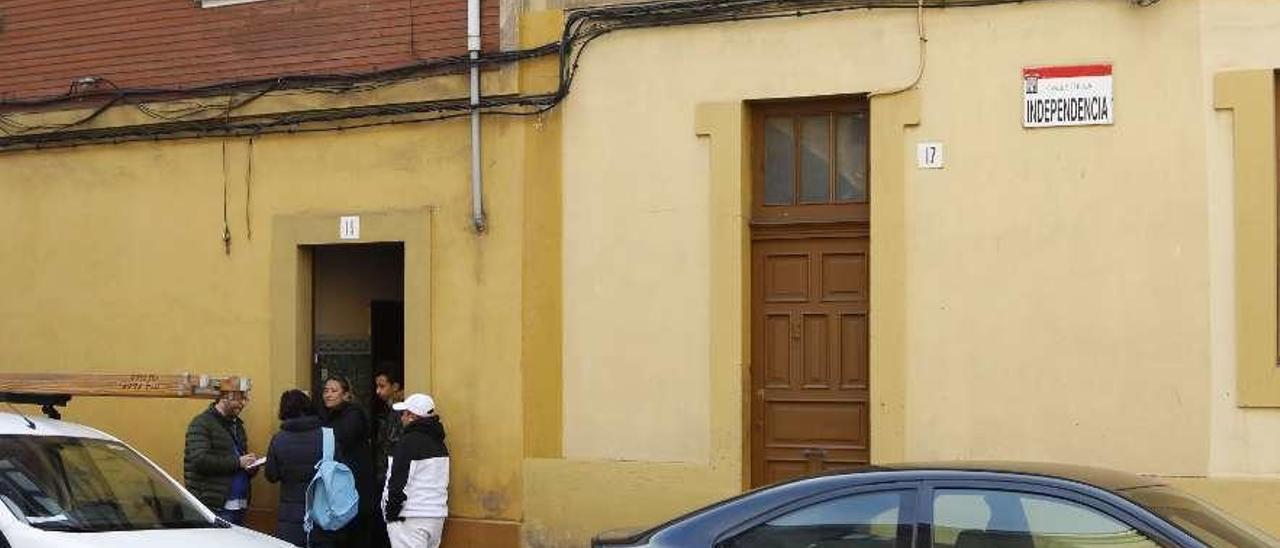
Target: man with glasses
217,464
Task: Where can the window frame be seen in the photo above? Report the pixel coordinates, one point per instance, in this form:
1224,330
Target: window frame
1120,509
799,211
909,514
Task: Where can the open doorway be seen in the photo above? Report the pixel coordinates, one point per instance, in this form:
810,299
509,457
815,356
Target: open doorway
358,317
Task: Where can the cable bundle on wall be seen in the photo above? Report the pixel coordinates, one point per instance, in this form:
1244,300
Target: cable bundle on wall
582,26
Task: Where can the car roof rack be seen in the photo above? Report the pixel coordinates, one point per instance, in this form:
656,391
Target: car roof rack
47,402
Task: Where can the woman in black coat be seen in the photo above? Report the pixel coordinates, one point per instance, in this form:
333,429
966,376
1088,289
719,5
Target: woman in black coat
351,428
291,461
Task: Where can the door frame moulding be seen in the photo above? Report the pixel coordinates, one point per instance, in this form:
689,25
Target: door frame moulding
1251,97
291,288
726,124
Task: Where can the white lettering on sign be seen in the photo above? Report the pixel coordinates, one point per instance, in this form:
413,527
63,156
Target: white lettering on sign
349,227
1067,96
929,155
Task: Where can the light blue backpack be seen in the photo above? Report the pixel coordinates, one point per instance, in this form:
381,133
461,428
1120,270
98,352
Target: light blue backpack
332,500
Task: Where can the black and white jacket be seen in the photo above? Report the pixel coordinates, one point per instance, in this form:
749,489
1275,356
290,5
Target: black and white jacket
418,473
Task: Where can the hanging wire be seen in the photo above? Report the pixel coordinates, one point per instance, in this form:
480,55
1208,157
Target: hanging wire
226,186
248,192
923,38
226,221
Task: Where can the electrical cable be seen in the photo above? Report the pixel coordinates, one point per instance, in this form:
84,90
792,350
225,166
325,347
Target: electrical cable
924,48
581,28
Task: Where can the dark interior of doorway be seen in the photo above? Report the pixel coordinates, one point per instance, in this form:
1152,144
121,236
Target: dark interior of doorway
358,317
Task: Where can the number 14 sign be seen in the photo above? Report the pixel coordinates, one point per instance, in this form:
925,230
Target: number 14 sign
349,227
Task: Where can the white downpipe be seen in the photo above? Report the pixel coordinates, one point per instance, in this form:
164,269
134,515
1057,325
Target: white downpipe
473,51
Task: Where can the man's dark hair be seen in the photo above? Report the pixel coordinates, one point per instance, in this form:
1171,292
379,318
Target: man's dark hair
295,403
392,377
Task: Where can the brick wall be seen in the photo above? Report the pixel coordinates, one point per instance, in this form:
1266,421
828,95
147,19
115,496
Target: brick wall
45,44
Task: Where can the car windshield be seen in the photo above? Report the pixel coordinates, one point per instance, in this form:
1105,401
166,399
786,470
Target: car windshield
1208,524
87,485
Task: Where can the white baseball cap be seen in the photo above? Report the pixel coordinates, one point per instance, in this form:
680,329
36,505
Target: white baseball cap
419,404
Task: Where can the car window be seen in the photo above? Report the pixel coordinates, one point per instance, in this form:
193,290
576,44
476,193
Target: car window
866,520
969,518
81,485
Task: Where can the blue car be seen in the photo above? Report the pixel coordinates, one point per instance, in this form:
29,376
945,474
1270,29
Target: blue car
955,505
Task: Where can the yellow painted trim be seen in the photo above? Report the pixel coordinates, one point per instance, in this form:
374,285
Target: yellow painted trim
569,501
542,332
723,124
291,289
890,115
464,532
542,335
540,75
1250,94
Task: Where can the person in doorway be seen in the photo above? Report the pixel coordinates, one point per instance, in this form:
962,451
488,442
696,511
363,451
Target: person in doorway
389,389
291,461
416,496
217,465
350,427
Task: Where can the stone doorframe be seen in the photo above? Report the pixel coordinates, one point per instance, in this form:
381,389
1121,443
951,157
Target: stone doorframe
291,286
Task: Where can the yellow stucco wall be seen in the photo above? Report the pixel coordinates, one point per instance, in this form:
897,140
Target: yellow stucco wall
1252,500
1042,285
1046,326
1239,55
1024,333
1058,278
351,278
542,349
114,262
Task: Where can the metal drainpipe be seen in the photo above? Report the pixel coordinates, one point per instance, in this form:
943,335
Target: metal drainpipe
477,181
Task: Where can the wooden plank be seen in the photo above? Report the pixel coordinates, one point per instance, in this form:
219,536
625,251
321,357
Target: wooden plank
135,385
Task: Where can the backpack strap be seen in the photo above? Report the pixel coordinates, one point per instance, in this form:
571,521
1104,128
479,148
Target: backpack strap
327,454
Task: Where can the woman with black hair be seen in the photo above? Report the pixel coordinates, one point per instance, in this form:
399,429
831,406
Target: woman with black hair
350,427
291,461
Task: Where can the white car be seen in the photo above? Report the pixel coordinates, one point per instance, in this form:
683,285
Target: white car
64,485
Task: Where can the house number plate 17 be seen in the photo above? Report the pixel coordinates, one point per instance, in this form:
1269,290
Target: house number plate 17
929,155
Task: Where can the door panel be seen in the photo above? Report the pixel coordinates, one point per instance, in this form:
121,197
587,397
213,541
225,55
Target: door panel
809,356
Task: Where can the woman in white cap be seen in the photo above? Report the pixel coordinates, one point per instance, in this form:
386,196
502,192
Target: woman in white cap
415,498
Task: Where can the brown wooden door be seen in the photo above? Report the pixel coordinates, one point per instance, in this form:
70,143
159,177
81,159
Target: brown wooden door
809,371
